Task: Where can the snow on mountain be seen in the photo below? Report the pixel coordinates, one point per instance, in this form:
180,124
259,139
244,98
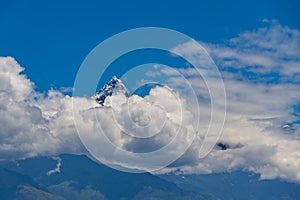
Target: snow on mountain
114,86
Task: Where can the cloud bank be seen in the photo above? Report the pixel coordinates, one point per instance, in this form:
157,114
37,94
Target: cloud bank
31,123
261,133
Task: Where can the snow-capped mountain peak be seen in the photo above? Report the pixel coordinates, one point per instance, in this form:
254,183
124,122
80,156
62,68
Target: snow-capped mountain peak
114,86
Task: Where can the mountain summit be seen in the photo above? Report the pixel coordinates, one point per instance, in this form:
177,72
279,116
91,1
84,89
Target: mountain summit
114,86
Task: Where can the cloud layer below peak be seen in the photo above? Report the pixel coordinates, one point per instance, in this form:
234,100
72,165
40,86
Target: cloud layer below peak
261,74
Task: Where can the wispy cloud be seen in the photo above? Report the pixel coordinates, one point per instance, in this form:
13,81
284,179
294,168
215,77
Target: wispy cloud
258,108
271,49
57,168
253,138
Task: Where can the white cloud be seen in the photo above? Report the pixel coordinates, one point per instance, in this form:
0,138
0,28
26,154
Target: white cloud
256,110
139,126
18,86
33,124
57,167
269,49
66,89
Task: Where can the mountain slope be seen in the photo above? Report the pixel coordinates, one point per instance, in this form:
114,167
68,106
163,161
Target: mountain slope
114,86
26,192
14,185
82,178
236,185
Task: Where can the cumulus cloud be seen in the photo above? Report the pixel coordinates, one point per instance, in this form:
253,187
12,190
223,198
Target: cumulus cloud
32,124
258,108
35,124
261,132
145,133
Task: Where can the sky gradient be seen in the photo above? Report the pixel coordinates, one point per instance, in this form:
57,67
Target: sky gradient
51,38
255,45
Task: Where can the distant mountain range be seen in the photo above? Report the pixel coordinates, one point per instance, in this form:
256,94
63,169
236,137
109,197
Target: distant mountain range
74,177
82,178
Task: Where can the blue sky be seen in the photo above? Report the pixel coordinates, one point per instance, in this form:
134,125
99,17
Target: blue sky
51,38
255,44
